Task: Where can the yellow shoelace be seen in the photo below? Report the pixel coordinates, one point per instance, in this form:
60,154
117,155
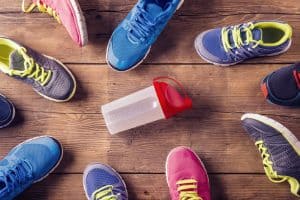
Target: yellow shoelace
32,69
104,193
271,174
188,189
237,38
42,8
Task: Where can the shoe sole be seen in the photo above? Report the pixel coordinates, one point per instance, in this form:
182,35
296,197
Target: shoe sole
286,133
90,166
231,64
167,161
81,22
142,60
13,113
58,162
73,78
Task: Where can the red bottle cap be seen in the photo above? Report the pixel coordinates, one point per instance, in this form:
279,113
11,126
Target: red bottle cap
171,101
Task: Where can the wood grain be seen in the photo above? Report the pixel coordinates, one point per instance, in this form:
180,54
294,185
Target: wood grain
190,7
212,128
170,47
153,186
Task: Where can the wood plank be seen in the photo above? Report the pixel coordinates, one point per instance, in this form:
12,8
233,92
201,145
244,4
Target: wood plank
213,89
221,7
153,186
218,138
170,47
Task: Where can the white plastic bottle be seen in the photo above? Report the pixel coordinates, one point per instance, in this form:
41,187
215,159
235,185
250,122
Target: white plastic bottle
159,101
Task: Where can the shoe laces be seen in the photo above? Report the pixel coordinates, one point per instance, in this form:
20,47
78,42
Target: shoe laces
238,41
187,189
32,69
19,174
105,193
42,8
271,174
140,27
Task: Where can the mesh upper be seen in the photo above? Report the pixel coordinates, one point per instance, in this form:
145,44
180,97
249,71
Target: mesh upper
285,159
282,83
61,83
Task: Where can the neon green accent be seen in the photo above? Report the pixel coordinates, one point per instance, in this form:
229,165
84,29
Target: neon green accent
187,189
42,8
238,41
271,174
287,32
104,193
32,69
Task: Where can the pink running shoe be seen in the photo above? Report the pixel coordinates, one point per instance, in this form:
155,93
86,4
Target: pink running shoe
67,12
186,175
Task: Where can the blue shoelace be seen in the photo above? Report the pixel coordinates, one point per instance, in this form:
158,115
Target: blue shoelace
19,174
141,26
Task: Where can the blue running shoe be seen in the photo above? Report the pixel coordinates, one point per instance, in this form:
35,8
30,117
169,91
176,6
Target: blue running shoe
279,149
233,44
282,87
131,41
102,182
28,163
7,112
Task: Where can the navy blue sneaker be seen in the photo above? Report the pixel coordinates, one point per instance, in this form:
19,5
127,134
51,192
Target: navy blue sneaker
233,44
131,41
28,163
102,182
279,149
7,112
282,87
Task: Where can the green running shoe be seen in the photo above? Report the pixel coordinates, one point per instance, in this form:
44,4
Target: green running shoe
48,76
279,148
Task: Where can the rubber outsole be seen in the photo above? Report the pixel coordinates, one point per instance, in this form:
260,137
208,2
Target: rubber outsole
80,22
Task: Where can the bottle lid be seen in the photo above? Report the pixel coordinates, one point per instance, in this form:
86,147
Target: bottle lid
171,100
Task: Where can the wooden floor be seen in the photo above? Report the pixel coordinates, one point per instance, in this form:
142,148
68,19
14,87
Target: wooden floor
212,128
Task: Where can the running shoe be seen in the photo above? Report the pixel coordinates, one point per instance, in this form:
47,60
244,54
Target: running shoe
28,163
131,41
279,149
233,44
67,12
282,87
7,112
101,182
186,175
48,76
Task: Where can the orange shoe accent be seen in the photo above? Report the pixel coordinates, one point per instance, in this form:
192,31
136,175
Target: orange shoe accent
264,89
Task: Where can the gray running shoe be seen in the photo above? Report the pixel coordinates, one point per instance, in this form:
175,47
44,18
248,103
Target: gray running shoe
279,148
48,77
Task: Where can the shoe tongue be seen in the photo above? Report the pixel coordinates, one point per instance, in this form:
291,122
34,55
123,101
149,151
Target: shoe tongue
257,34
16,61
154,10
